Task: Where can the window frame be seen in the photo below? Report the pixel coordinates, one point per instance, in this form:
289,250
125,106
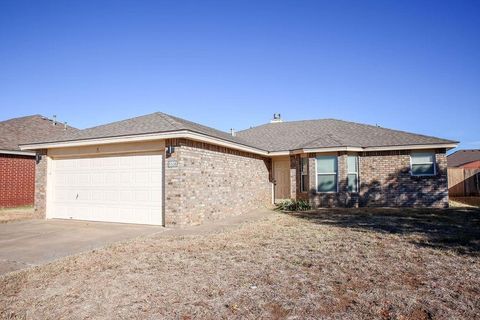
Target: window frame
326,173
303,175
434,163
356,173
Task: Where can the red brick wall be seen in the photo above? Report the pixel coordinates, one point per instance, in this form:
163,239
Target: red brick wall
17,180
471,165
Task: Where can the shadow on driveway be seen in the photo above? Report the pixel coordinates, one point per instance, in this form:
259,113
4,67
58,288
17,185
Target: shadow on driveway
455,229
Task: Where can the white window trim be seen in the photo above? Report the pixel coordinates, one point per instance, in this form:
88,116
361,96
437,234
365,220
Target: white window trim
425,174
325,173
303,174
355,173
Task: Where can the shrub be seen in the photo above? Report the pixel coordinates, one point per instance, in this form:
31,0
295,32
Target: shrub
294,205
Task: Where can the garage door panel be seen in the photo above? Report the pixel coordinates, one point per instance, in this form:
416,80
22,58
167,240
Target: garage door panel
117,189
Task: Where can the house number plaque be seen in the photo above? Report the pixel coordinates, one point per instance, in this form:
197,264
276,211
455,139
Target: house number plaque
172,163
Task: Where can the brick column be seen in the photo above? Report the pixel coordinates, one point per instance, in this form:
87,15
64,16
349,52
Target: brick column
40,202
312,181
342,176
441,162
293,176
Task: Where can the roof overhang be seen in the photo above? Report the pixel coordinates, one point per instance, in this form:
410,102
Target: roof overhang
18,152
447,146
187,134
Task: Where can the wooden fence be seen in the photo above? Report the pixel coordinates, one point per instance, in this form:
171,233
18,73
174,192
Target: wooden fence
463,182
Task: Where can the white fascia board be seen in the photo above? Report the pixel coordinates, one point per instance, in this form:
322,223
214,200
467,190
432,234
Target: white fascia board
279,153
90,142
332,149
413,147
20,153
146,137
389,148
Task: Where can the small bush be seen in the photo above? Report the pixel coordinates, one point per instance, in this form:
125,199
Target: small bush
294,205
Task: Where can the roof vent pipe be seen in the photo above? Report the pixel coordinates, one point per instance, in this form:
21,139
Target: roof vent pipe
232,132
54,120
65,125
276,118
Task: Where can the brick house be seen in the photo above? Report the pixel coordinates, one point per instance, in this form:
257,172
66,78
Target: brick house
467,159
160,169
17,167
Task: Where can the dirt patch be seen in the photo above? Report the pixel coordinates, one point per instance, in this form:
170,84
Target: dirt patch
464,202
16,214
282,266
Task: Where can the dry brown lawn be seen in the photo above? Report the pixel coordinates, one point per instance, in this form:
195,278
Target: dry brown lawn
357,264
16,214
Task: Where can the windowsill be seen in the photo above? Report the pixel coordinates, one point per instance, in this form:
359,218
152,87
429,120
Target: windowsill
422,175
333,192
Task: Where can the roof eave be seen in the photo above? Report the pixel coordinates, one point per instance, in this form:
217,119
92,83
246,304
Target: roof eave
17,152
187,134
447,146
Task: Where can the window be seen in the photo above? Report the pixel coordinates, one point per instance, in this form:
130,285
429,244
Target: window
422,164
304,174
327,174
352,173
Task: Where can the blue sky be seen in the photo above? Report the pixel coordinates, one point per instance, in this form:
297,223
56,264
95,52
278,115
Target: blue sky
409,65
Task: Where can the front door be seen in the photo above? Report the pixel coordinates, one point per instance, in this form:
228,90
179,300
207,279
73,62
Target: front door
281,176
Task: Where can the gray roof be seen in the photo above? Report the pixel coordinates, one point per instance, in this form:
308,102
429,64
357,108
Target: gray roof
269,137
283,136
25,129
462,157
151,123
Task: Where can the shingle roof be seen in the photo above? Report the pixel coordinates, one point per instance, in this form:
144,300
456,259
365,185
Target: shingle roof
282,136
25,129
151,123
462,157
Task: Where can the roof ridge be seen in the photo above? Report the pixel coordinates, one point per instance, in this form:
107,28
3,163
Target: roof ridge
118,121
388,129
172,119
183,121
24,117
292,121
350,122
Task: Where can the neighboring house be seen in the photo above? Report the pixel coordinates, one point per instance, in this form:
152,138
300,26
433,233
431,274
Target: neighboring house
17,167
467,159
464,173
160,169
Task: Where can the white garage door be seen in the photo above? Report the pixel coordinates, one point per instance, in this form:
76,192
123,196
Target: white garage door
112,188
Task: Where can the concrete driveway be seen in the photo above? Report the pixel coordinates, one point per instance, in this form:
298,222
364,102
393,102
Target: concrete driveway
35,242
